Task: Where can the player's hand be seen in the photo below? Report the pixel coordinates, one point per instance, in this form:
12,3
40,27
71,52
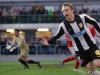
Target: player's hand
12,49
8,47
45,42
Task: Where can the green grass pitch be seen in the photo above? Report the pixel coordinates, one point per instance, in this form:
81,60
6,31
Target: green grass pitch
48,68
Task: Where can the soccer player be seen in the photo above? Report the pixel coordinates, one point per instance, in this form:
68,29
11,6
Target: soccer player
83,42
19,42
71,49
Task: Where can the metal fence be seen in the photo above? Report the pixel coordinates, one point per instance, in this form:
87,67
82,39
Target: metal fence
37,50
39,18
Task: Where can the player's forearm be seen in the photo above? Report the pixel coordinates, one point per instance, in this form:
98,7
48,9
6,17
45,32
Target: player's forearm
57,36
52,40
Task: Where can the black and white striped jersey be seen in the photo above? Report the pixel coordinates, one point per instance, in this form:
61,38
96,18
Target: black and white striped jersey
78,31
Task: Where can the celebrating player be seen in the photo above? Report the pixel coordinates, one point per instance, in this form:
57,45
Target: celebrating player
71,49
84,43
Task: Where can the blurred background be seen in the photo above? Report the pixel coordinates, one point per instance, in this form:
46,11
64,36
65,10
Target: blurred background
37,19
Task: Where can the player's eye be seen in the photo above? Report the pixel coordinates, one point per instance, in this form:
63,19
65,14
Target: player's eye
64,10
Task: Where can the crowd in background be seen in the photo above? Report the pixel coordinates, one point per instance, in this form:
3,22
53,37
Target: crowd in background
40,9
21,10
28,14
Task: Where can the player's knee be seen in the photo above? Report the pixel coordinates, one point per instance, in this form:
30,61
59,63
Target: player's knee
89,66
97,62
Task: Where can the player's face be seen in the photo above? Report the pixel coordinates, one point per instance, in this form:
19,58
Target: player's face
16,33
67,11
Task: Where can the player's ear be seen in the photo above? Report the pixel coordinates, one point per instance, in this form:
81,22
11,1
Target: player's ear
73,10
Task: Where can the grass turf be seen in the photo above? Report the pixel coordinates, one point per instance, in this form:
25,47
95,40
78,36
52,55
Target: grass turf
48,68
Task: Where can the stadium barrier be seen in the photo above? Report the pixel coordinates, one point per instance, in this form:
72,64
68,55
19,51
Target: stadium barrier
37,50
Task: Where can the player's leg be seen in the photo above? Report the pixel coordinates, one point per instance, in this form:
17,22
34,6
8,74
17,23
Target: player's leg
77,64
34,62
96,61
90,68
22,60
96,56
68,59
88,65
87,62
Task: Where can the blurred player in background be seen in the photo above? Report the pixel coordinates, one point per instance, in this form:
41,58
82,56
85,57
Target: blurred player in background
19,42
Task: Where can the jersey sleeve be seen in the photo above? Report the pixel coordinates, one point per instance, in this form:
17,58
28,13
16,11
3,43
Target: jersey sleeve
60,32
92,21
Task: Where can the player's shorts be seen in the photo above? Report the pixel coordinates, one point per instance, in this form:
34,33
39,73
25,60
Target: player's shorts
23,55
89,55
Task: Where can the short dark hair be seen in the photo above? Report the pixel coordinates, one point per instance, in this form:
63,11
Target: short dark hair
16,30
68,4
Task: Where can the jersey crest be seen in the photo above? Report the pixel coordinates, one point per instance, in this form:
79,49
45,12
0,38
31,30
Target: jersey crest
81,25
